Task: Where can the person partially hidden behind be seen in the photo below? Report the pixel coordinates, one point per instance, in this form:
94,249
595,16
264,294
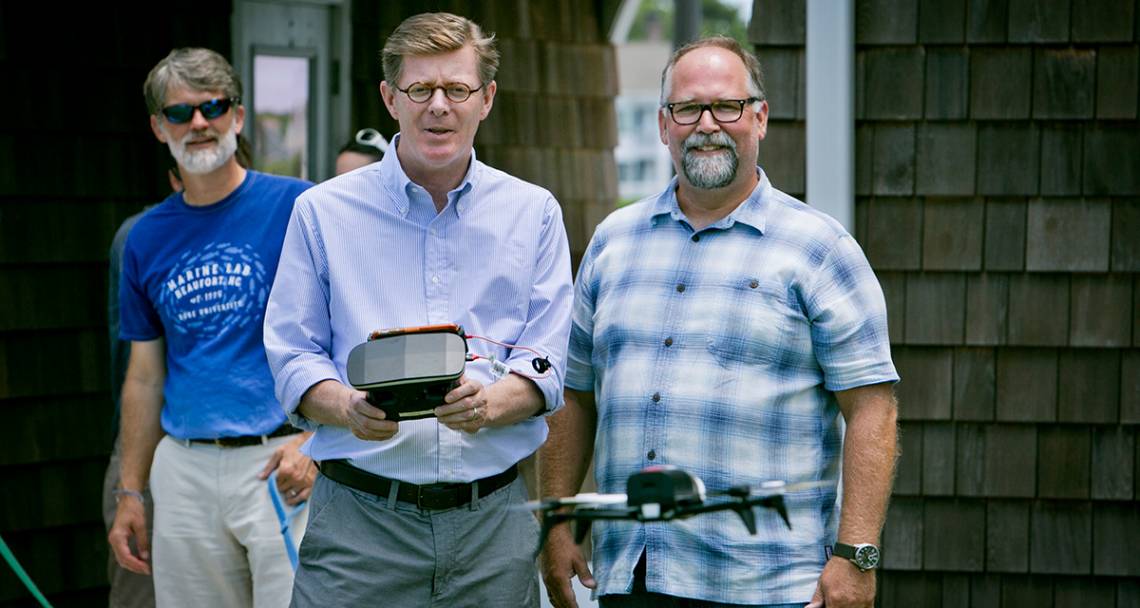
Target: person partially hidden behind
365,148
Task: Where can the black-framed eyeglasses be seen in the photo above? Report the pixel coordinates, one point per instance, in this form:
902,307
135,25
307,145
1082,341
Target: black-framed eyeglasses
722,110
180,113
455,91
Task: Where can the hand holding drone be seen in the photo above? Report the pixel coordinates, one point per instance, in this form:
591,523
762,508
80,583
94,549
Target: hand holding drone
663,493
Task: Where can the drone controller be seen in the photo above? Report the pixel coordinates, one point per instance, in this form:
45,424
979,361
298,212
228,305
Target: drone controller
408,371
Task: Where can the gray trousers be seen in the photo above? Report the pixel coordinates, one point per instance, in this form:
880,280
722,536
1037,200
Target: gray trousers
362,550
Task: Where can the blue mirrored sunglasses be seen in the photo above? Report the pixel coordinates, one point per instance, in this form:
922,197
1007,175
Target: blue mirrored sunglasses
183,112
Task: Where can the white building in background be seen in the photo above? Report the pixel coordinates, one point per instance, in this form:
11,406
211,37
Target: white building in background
644,166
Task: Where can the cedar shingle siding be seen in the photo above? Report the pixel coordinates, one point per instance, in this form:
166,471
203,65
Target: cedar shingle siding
997,183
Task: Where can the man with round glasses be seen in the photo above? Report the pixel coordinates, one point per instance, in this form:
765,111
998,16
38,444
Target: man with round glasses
418,512
199,418
728,329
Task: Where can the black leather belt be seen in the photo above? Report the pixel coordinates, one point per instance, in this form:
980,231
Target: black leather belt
248,440
433,496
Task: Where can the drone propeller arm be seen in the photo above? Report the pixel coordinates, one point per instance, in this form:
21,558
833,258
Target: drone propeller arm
582,517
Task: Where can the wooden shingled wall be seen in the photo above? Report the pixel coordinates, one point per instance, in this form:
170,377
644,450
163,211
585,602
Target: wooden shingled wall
999,202
76,158
553,122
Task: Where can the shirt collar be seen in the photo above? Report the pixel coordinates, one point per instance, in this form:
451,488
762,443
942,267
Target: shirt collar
752,212
398,185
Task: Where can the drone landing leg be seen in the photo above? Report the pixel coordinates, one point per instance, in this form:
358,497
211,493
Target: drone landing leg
745,512
782,509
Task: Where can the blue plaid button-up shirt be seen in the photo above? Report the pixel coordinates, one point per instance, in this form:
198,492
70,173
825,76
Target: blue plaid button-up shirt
719,352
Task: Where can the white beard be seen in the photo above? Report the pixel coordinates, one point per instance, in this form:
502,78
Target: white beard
202,161
709,173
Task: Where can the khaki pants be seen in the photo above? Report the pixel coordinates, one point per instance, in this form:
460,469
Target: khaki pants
217,541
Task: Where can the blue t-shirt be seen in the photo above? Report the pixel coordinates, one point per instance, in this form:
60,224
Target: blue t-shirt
200,277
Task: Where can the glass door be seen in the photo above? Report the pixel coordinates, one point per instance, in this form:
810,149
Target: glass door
289,54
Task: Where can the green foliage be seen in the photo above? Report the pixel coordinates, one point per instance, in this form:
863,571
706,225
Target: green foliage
658,15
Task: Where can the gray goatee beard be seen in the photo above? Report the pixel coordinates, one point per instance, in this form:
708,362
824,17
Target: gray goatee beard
200,162
709,172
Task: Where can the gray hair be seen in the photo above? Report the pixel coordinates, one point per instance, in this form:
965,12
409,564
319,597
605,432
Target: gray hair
751,63
194,68
435,33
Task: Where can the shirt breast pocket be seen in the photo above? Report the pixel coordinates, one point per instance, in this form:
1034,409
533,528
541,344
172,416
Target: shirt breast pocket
752,323
506,284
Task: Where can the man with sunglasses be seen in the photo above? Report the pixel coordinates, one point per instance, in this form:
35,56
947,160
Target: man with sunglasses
417,512
726,328
199,418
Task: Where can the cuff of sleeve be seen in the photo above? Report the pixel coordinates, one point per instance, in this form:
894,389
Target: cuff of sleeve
866,379
301,422
295,386
550,386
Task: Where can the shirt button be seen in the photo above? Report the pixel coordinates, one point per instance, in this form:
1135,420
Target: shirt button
651,455
668,341
435,278
680,288
754,284
696,238
656,397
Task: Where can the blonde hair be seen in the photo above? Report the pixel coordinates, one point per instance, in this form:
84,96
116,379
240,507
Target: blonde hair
435,33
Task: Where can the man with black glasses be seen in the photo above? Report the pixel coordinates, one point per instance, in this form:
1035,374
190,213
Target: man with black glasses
199,418
416,512
727,329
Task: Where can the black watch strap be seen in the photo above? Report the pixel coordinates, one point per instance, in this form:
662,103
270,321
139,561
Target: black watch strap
844,551
863,556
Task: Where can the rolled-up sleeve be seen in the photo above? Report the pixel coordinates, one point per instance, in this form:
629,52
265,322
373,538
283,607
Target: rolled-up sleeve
548,314
298,333
849,320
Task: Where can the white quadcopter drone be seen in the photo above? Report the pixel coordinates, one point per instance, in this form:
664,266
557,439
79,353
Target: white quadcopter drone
663,493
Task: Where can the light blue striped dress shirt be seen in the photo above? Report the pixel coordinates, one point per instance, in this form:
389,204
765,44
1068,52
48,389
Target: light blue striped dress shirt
719,352
367,250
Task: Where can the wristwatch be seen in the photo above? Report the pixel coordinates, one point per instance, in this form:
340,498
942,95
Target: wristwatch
865,556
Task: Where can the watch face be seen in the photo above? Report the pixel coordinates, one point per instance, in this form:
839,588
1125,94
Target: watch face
866,557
